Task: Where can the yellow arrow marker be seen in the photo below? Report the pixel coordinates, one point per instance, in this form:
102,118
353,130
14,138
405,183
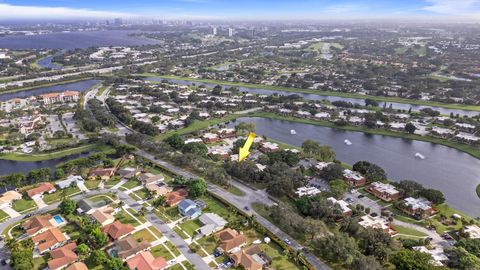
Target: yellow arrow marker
243,151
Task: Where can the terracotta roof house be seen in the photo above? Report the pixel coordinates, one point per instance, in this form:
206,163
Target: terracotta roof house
146,261
102,173
42,188
175,197
62,257
117,230
49,239
37,224
8,197
104,216
230,240
128,247
77,266
252,258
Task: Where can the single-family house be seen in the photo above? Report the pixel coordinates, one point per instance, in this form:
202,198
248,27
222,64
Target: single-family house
128,172
128,247
8,198
227,133
48,240
210,138
150,178
159,189
189,209
77,266
63,256
42,188
175,197
69,181
211,223
252,258
230,240
37,224
118,230
102,173
104,215
146,261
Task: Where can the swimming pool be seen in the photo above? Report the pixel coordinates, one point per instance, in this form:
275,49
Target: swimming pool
58,219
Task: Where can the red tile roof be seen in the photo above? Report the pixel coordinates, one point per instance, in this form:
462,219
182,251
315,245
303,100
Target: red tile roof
42,188
146,261
63,256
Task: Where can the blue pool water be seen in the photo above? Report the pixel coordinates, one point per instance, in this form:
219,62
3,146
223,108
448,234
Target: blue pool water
58,219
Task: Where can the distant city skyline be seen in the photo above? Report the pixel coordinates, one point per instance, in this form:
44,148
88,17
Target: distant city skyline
245,9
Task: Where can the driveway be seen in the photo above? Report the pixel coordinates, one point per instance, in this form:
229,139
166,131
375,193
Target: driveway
11,212
40,203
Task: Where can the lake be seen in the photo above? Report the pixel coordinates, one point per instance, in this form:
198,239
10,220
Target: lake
74,40
75,86
10,166
453,172
260,91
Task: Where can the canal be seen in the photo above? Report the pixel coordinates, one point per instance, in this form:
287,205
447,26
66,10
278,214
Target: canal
453,172
260,91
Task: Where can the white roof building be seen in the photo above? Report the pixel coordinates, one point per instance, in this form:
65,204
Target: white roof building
307,191
343,204
473,231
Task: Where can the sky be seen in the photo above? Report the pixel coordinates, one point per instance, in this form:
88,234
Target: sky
240,9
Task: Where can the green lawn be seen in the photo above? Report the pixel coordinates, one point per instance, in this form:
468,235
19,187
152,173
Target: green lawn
23,204
135,214
39,263
144,235
172,248
161,251
155,231
142,193
57,196
190,226
409,231
180,233
446,211
172,212
92,184
126,218
72,230
112,181
3,215
131,184
208,243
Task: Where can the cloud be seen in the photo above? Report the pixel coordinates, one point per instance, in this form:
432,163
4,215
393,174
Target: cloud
36,12
452,7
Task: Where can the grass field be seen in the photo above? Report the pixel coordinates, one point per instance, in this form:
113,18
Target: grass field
144,235
327,93
23,204
190,226
126,218
131,184
161,251
409,231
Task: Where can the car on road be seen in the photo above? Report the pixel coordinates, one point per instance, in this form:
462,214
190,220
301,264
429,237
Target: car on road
246,208
288,242
361,196
349,200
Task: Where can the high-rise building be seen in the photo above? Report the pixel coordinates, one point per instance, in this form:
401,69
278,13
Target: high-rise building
214,31
118,21
230,32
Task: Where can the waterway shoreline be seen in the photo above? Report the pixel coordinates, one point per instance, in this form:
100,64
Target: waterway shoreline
52,155
11,91
318,92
